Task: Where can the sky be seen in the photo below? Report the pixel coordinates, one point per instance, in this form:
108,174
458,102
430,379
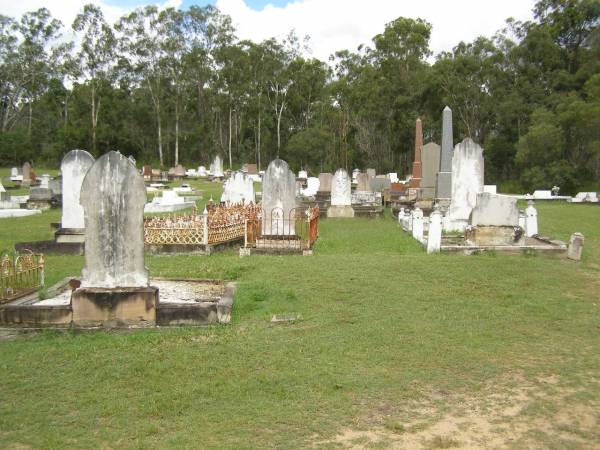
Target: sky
331,24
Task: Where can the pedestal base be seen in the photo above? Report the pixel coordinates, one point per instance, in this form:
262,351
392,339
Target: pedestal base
64,235
443,187
115,308
340,212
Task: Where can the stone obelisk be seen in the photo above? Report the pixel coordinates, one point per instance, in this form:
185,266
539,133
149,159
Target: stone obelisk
443,187
415,181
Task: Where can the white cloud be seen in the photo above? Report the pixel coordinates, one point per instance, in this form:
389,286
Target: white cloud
345,24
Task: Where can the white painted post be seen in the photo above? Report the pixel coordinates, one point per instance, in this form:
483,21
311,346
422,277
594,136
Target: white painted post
205,226
417,224
531,221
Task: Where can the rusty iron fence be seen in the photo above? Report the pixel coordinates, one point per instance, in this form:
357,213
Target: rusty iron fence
296,230
217,224
20,274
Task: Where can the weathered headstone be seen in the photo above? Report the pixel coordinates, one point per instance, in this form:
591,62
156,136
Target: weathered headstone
467,182
430,163
575,249
495,210
363,182
239,188
443,188
415,181
74,166
216,168
325,182
26,172
147,172
113,196
278,200
341,196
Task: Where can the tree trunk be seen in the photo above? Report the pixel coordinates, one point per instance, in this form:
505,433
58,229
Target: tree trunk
230,138
176,132
159,127
93,118
258,147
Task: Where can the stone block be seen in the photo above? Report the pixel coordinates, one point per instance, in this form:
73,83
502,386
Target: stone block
486,235
340,212
495,210
575,250
115,308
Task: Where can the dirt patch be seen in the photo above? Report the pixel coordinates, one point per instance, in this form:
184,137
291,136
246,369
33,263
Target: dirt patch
533,414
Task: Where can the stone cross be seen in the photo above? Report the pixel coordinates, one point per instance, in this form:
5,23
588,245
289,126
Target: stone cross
113,196
74,167
443,187
341,189
467,182
415,181
278,200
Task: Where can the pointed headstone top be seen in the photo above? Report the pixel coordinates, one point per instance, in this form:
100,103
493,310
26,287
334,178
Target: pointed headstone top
447,108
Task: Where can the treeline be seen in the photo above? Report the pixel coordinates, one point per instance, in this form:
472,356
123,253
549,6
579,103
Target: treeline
170,86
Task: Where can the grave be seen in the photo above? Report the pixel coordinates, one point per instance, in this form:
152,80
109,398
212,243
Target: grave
467,182
341,196
216,169
443,187
168,201
312,187
430,162
494,221
417,170
585,197
239,188
15,175
74,167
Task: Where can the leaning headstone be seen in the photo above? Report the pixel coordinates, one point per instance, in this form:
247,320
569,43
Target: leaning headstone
341,196
114,288
113,196
467,182
443,188
363,182
495,210
417,172
74,166
575,249
278,200
430,165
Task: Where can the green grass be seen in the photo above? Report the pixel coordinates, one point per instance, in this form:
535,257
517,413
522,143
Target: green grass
383,326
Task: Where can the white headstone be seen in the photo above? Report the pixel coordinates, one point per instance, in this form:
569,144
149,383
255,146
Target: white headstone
216,168
312,187
14,172
113,197
202,171
74,166
278,200
467,182
434,236
45,181
531,221
239,188
495,210
303,174
393,176
341,189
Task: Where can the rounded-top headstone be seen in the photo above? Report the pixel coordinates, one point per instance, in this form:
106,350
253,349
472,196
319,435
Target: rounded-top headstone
113,196
74,167
278,199
341,189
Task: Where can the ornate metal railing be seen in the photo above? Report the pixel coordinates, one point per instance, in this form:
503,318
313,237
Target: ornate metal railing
296,230
218,223
20,274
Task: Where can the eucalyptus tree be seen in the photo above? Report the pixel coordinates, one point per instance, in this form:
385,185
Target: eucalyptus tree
96,57
142,45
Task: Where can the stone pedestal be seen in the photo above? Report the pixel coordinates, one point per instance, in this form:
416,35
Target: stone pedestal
340,212
115,308
68,235
490,235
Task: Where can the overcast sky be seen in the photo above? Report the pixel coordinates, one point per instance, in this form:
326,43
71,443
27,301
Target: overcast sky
332,24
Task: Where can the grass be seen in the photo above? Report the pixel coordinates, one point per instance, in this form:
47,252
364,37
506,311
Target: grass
385,329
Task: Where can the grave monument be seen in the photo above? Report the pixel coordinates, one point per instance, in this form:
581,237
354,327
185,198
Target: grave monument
341,196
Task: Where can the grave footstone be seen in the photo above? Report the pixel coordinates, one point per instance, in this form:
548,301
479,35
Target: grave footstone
434,236
278,200
74,166
531,221
575,249
417,224
443,188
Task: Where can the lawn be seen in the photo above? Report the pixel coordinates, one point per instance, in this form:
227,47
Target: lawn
394,348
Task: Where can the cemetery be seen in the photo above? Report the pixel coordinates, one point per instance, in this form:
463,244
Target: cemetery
379,230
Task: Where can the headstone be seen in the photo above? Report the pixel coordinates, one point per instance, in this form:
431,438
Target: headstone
393,176
251,169
417,224
380,183
341,189
415,181
430,165
26,171
278,200
325,182
355,173
113,196
45,181
575,250
531,220
495,210
14,172
179,171
202,171
363,182
40,194
312,187
239,188
434,236
147,172
216,168
443,188
3,195
467,182
372,173
302,174
74,166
